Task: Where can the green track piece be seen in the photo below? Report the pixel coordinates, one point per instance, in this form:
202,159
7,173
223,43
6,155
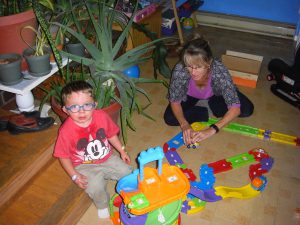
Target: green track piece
242,129
241,160
236,128
198,202
211,121
181,166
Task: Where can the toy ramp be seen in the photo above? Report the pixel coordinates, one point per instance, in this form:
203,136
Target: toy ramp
205,195
242,192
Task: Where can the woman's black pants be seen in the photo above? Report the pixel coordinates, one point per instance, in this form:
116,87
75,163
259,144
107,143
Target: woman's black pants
217,104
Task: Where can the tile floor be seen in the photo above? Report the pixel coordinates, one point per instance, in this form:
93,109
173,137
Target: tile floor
277,204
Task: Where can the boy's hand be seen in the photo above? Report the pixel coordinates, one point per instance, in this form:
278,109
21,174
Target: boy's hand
125,157
81,181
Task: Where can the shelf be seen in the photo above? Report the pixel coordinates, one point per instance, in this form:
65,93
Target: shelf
29,82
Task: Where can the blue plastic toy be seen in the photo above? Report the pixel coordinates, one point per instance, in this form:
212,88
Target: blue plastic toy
133,71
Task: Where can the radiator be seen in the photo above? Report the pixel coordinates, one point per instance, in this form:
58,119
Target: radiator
245,24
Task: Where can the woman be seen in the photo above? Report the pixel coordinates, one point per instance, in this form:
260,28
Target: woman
198,76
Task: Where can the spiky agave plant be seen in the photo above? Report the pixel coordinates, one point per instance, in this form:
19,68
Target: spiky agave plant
105,62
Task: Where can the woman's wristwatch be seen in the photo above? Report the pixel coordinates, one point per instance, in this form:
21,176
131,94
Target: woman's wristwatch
215,127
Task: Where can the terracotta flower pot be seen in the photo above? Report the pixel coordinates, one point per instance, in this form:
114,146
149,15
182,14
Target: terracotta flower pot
10,28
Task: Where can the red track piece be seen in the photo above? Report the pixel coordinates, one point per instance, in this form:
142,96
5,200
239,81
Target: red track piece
220,166
189,174
256,170
258,154
166,147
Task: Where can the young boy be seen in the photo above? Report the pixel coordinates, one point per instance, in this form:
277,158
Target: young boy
83,145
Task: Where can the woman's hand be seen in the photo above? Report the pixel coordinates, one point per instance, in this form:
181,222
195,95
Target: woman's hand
125,157
81,181
198,136
187,132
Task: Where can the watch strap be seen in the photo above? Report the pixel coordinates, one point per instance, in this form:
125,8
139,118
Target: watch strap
215,127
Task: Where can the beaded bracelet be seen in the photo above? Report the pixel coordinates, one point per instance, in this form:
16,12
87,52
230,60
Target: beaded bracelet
74,177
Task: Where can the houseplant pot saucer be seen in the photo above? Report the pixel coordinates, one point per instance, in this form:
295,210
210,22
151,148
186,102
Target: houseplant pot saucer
13,82
40,74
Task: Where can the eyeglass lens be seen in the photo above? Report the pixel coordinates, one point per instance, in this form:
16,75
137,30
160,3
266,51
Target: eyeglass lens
77,108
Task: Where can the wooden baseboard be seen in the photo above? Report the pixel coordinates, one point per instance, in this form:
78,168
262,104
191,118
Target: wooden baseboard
244,24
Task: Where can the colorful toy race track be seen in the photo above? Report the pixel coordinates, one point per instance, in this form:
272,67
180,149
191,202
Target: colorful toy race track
155,196
152,196
251,131
204,191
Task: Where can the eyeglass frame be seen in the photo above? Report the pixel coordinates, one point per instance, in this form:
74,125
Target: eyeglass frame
69,108
197,67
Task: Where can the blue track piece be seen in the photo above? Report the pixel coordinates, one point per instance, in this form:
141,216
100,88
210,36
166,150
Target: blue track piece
207,178
205,170
176,141
204,184
173,158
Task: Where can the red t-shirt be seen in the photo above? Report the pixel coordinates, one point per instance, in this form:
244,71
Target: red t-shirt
86,144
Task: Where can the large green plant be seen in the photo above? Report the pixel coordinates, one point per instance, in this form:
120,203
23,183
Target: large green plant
105,62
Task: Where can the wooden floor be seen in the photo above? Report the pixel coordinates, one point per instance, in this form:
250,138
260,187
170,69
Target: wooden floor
278,203
34,189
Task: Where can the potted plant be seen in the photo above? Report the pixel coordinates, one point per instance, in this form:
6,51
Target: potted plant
38,56
110,84
46,40
13,16
63,14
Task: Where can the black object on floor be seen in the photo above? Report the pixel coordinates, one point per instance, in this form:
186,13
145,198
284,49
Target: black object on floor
291,97
3,122
28,122
287,79
4,119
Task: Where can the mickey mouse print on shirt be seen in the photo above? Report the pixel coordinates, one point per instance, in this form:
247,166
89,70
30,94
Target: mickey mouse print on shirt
94,149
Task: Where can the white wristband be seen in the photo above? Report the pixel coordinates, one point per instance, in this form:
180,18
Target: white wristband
74,177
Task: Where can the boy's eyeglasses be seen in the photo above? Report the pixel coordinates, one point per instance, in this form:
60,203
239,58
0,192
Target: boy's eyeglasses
84,107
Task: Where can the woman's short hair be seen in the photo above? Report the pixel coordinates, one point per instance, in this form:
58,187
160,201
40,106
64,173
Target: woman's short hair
196,51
